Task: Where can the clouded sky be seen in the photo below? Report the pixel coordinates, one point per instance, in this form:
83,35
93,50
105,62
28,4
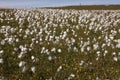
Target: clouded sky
46,3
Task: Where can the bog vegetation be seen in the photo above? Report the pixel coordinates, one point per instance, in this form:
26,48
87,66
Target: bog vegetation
56,44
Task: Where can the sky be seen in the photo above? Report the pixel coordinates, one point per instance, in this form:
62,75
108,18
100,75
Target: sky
51,3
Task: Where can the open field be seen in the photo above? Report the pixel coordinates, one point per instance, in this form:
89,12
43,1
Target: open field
89,7
56,44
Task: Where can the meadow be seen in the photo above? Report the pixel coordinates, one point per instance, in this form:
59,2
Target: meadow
57,44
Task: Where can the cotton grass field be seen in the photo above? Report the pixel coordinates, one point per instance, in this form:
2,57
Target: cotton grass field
56,44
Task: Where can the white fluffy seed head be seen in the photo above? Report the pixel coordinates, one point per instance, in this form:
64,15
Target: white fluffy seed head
1,61
1,51
33,69
49,58
59,50
72,75
115,58
59,68
32,57
21,63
